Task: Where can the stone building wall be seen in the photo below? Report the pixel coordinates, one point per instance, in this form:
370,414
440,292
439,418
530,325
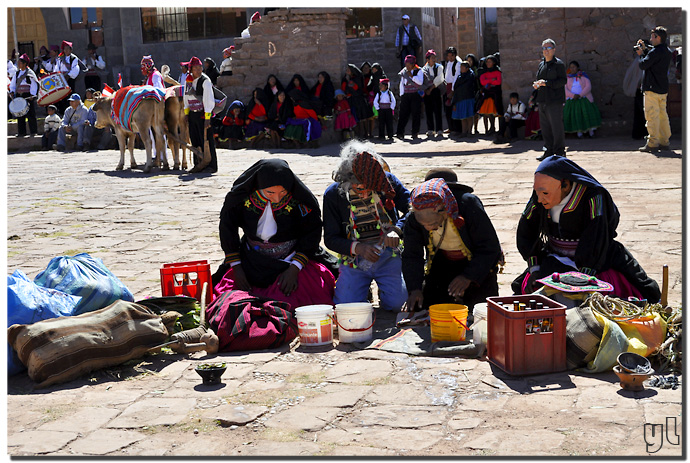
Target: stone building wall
286,42
600,39
466,33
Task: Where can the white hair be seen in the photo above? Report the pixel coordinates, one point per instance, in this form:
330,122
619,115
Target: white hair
343,174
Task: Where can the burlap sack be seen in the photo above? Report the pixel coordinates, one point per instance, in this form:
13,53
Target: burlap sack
64,348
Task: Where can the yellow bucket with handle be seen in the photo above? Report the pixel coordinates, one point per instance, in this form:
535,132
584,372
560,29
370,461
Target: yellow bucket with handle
448,322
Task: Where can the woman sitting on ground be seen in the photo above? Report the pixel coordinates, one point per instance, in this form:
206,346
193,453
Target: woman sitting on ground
304,125
281,224
272,88
324,91
570,224
257,114
232,127
278,115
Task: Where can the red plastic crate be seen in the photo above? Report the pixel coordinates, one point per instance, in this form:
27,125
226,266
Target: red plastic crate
518,353
186,278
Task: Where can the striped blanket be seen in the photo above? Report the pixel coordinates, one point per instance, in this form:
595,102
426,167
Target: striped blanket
127,99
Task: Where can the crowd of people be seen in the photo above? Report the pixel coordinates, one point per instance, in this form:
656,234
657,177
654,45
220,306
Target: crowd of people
465,90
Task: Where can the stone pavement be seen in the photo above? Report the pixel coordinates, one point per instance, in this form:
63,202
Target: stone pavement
336,401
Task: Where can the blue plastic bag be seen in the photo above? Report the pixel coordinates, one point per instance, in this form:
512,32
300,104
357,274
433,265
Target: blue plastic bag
85,276
29,303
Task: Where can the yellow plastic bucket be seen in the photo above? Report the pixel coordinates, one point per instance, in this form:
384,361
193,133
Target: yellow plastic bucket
448,322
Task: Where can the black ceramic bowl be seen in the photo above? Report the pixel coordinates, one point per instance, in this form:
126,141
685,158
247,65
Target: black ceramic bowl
634,363
211,372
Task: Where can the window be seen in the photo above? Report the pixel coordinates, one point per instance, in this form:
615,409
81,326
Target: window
178,24
364,22
84,18
429,16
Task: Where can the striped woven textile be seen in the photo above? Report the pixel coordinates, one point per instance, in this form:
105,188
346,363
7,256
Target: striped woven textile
62,349
127,99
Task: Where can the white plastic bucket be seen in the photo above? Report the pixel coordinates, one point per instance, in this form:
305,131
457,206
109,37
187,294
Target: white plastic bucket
355,321
479,328
315,324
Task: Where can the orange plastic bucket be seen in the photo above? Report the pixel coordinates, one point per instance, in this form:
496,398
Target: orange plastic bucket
448,322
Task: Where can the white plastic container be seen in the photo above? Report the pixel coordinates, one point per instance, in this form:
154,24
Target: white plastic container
356,320
315,324
480,328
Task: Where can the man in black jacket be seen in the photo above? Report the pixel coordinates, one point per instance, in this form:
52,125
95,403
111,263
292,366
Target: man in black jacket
655,63
550,86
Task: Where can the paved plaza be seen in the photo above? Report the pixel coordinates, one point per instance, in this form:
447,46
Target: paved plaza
298,401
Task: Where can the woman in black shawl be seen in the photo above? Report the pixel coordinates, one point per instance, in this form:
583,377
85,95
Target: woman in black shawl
324,91
297,82
211,70
257,113
570,224
354,87
281,110
272,88
281,223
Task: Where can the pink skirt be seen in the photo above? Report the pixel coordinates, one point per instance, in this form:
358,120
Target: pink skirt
315,285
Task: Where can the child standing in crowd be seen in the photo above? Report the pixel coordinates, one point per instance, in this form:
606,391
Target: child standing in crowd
514,118
384,102
344,120
50,128
474,63
432,95
226,65
463,98
490,103
580,114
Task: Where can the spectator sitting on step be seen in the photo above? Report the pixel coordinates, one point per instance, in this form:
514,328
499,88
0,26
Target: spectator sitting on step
257,112
232,127
297,82
272,88
51,125
75,122
324,91
514,118
281,110
304,126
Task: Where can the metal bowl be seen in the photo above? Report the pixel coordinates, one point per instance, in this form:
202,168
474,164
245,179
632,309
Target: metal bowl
211,372
634,363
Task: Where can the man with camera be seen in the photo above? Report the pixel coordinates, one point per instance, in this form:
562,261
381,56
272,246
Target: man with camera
407,40
655,62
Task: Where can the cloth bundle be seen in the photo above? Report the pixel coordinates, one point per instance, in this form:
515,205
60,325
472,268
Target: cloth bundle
245,322
64,348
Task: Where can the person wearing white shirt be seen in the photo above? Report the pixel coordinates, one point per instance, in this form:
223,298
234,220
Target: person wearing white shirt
384,102
52,64
451,67
432,95
226,65
198,109
411,82
153,77
514,118
68,65
25,85
94,64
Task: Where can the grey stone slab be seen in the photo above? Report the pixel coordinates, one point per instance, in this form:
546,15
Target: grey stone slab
382,437
337,395
398,416
280,449
460,423
302,417
290,368
411,393
38,442
104,441
359,371
153,412
83,420
513,442
239,415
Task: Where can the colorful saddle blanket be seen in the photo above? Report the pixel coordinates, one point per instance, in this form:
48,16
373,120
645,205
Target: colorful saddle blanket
127,99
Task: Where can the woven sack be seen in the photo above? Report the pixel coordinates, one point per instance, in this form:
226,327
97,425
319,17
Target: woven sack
583,335
64,348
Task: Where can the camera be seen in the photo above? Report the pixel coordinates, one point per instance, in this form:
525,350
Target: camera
642,46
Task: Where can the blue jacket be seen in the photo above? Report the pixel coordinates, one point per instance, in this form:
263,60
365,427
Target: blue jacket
336,214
